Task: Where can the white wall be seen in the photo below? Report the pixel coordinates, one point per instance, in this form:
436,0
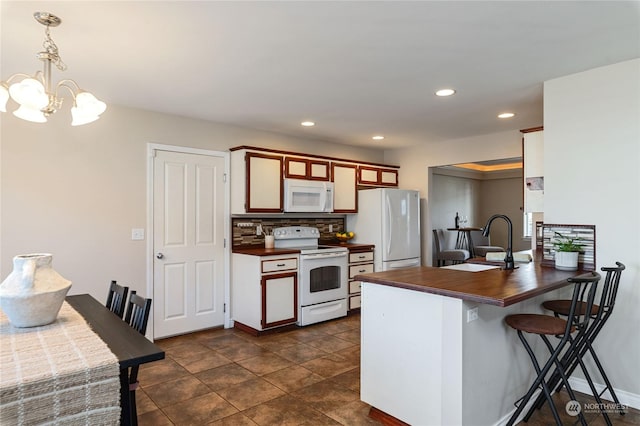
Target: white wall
591,169
478,196
504,196
414,165
76,192
451,195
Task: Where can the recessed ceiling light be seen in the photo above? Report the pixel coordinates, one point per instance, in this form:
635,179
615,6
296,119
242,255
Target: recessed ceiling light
378,138
445,92
506,115
308,123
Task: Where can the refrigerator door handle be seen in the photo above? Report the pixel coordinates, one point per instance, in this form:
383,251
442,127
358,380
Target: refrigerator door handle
389,227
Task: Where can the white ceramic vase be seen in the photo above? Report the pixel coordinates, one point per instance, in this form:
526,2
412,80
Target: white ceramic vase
33,293
567,260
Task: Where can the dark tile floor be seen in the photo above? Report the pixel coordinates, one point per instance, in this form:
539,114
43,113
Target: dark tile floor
307,376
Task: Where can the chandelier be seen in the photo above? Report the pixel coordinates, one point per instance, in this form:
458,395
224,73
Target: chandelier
38,97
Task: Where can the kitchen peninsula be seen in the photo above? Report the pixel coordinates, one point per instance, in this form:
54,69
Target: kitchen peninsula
435,349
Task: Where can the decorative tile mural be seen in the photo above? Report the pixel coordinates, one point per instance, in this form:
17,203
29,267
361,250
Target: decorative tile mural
546,235
245,234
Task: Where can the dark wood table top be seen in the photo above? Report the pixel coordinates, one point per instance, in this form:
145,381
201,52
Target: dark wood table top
130,347
493,287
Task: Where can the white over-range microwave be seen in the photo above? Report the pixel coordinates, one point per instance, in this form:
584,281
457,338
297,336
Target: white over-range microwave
309,196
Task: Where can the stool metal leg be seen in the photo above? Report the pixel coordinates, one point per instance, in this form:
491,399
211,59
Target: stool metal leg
539,381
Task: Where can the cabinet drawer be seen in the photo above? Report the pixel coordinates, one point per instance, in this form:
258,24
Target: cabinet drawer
354,286
354,302
361,257
360,269
276,265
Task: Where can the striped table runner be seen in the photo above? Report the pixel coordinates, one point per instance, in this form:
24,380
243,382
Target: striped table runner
61,373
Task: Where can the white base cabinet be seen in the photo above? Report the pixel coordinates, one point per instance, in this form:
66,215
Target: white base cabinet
264,290
360,262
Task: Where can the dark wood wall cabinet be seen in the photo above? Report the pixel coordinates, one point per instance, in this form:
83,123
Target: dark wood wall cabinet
264,190
257,178
377,176
304,168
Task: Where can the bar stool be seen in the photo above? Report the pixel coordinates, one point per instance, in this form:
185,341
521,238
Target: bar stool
584,288
600,314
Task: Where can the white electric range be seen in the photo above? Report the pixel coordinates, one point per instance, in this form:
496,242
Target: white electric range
322,274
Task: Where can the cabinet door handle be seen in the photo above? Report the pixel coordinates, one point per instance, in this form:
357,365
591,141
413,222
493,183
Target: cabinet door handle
280,264
362,270
361,257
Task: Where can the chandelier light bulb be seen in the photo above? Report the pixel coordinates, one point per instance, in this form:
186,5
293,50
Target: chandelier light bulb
30,114
38,96
90,104
80,117
29,93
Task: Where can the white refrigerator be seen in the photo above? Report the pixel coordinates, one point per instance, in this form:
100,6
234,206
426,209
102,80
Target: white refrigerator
390,219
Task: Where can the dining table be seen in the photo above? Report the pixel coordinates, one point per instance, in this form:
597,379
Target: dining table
463,239
130,347
74,370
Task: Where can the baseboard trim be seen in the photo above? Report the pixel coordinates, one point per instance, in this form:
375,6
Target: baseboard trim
503,421
627,398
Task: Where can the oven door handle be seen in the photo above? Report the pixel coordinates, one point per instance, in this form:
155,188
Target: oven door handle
322,255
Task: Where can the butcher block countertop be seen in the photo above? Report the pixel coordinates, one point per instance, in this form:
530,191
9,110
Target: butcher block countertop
353,247
493,287
261,251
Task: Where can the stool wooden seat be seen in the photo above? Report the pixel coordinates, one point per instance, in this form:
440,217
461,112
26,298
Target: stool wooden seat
538,324
571,334
562,307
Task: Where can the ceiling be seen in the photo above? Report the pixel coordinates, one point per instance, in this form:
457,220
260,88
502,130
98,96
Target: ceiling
357,69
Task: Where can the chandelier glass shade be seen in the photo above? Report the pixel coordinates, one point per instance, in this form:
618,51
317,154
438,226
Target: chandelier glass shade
36,95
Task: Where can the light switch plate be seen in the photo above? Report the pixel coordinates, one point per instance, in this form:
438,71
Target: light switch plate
137,234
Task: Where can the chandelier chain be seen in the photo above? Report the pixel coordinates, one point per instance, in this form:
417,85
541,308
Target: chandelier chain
52,51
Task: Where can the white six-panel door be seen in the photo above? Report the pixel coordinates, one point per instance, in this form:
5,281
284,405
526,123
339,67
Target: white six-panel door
188,240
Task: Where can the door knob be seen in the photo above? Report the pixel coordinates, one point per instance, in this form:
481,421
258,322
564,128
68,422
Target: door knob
160,256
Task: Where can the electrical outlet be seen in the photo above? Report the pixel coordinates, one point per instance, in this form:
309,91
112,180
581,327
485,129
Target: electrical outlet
137,234
330,228
472,314
259,230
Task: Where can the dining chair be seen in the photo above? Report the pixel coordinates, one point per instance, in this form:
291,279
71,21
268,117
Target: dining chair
137,317
117,298
442,256
482,245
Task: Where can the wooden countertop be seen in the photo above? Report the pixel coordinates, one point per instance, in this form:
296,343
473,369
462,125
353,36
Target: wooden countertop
351,246
261,251
493,287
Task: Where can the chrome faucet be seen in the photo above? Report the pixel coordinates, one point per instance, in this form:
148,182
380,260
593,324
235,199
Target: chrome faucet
508,259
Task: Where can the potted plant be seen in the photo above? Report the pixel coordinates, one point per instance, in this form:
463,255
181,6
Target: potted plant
567,250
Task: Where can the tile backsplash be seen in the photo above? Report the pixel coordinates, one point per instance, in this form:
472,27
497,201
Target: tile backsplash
245,236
